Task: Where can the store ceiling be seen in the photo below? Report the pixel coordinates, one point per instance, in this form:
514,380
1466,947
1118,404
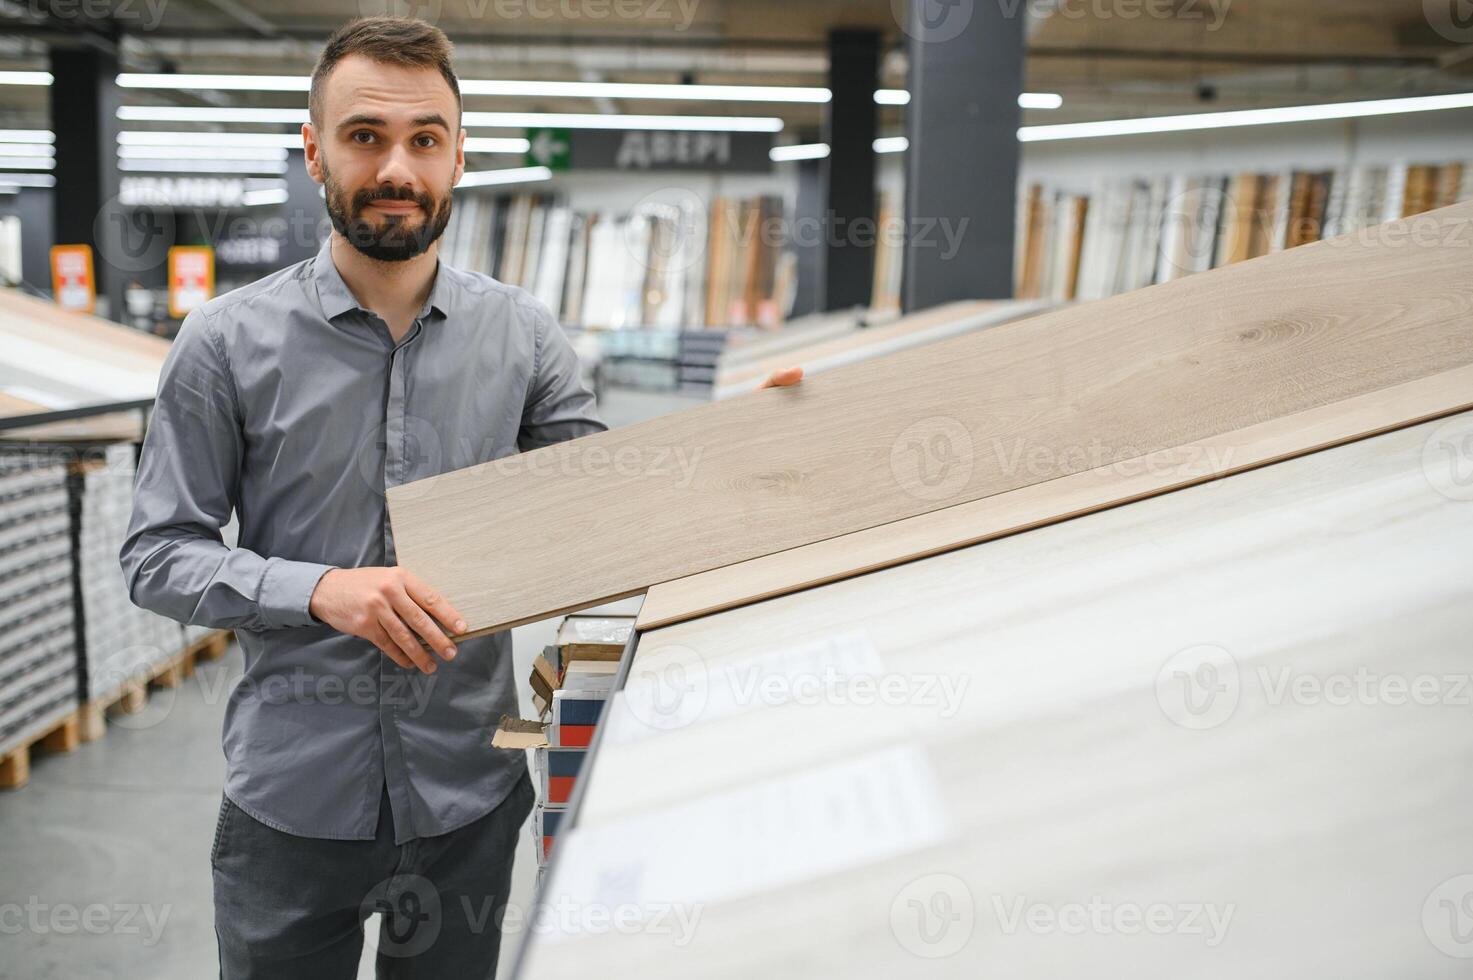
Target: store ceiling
1108,58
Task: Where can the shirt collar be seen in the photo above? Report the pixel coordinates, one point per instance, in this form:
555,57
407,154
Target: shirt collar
336,298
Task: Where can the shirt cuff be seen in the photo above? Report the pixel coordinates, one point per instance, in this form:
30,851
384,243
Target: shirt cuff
286,592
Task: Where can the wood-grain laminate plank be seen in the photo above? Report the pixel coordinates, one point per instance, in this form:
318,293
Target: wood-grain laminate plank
606,516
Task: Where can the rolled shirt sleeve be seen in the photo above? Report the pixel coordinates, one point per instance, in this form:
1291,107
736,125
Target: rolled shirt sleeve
174,559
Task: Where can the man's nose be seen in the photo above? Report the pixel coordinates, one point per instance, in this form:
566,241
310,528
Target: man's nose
394,169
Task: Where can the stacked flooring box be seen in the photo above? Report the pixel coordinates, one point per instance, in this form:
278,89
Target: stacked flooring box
120,640
38,655
570,682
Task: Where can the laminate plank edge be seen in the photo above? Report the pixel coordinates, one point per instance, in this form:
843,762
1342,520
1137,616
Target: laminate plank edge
1086,492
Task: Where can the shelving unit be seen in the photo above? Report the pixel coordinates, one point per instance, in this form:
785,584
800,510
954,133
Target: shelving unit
1131,233
659,266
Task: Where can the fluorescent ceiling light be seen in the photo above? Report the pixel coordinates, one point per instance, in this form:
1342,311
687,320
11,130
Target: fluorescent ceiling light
535,88
1026,134
28,180
27,163
511,175
267,196
132,137
1040,100
817,151
230,143
1028,100
186,152
245,83
496,144
505,87
1244,117
593,120
27,136
25,78
515,120
798,151
26,150
270,196
641,90
152,166
187,113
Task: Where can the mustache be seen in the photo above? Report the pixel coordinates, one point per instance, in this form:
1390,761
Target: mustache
363,198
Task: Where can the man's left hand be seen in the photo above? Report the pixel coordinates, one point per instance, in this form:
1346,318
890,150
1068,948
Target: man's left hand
783,378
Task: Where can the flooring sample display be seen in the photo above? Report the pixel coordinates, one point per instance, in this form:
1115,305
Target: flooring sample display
120,640
38,649
1236,711
79,332
1057,500
521,539
652,266
925,327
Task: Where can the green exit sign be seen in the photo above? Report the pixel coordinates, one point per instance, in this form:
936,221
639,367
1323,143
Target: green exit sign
549,148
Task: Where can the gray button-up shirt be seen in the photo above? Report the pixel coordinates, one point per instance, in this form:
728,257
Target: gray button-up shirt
288,403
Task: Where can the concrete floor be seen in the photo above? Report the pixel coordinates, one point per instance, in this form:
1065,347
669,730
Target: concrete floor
106,871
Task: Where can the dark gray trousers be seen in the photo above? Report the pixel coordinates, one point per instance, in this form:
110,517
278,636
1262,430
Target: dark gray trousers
289,907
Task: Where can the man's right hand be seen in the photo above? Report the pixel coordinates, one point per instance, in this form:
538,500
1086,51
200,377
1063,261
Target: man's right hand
391,609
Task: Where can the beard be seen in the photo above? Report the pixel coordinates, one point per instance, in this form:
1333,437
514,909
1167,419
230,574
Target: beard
393,237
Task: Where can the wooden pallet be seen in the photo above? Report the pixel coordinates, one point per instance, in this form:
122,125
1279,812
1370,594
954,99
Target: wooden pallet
131,696
209,647
88,723
60,735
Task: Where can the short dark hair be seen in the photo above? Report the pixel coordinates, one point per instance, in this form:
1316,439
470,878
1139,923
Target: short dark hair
389,40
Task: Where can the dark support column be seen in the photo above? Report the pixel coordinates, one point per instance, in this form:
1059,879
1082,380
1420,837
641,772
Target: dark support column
808,242
966,72
84,117
849,170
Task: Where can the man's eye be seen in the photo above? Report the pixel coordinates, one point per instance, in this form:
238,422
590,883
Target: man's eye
427,141
365,134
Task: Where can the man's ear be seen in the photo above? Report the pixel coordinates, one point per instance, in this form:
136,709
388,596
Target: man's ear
459,157
312,152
